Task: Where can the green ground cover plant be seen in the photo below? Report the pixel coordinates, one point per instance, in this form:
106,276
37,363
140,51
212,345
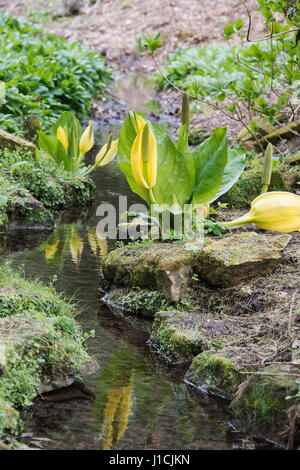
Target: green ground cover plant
44,75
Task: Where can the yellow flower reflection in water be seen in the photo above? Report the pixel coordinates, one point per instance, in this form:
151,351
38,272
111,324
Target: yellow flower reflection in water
51,250
97,241
67,239
116,414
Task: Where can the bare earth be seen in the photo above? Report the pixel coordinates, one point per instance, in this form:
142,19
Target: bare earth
112,27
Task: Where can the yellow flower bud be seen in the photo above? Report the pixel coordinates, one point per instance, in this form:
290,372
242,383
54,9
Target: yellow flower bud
87,140
62,137
278,211
144,155
107,153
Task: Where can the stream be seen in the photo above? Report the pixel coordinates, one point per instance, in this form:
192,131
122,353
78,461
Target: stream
131,402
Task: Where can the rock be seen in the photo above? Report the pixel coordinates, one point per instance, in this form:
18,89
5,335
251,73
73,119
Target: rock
197,136
12,142
234,259
212,373
20,333
24,211
3,359
248,187
183,335
261,407
162,266
136,228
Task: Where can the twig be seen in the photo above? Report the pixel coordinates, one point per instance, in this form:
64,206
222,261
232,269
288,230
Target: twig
265,38
270,373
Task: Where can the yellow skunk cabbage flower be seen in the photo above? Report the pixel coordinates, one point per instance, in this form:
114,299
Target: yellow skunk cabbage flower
277,210
144,155
107,153
86,140
62,137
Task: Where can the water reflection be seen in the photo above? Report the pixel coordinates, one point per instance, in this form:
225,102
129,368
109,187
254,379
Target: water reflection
133,407
66,240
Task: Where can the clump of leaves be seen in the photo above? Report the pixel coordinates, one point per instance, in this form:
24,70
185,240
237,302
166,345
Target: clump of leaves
44,75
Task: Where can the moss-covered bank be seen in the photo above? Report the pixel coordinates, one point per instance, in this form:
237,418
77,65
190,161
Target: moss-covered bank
222,313
35,187
41,346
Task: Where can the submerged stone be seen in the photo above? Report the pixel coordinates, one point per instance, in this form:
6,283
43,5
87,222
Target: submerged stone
264,408
239,257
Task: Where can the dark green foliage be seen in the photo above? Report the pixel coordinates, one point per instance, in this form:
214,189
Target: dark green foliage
45,75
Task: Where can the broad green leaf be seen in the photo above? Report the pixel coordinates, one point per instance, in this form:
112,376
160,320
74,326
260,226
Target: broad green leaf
53,147
67,120
210,159
183,146
173,176
235,166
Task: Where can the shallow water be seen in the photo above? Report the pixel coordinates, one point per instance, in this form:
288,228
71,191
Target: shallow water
128,403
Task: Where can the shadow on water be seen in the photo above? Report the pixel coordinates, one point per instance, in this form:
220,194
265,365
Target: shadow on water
129,403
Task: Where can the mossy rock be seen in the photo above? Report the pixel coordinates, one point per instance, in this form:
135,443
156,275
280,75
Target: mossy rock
267,133
261,406
215,374
183,335
248,187
135,301
161,266
197,136
24,211
236,258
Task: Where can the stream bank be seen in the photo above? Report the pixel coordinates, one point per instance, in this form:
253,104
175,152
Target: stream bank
226,315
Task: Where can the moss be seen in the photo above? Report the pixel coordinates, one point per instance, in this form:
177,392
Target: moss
138,301
248,188
175,338
142,265
215,373
23,209
43,345
261,406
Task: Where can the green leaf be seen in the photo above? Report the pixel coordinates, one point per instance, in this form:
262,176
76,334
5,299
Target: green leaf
183,146
53,147
235,166
210,159
173,176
